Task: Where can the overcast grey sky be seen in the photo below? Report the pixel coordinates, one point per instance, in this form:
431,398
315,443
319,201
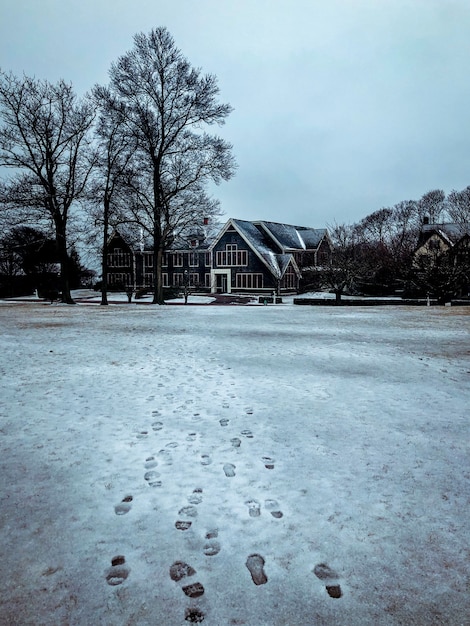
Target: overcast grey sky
341,106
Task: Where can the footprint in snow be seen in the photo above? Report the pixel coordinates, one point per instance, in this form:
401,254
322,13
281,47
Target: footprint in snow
182,525
195,590
328,575
255,565
150,462
142,434
268,462
156,426
152,478
194,616
247,433
254,508
211,545
165,456
229,470
118,572
195,497
188,511
236,442
191,437
224,421
124,506
180,570
205,459
273,507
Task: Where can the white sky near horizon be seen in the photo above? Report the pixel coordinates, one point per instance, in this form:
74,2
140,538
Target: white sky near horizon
341,107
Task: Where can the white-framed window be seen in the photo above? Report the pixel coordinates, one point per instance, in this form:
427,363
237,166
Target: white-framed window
193,279
148,259
119,258
178,279
232,256
290,279
249,281
193,259
148,279
165,259
119,278
177,259
208,259
165,280
207,280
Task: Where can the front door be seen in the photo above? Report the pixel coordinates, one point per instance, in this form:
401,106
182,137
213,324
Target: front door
221,283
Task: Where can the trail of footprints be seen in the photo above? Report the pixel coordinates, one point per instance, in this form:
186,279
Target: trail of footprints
180,572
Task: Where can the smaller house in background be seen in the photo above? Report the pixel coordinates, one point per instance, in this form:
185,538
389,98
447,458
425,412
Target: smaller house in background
437,239
244,257
444,249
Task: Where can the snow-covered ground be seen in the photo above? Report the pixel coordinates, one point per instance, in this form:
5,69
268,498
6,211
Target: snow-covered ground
234,465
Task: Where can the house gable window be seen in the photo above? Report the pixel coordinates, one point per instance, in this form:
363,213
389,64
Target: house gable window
290,279
193,259
249,281
232,256
119,258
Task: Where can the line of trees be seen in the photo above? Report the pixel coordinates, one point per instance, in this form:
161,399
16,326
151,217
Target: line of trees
135,151
376,256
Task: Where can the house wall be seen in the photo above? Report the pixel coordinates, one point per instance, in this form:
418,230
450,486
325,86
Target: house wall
121,264
233,259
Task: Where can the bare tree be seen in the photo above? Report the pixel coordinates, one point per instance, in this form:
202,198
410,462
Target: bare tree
107,190
166,104
347,263
43,141
458,207
432,205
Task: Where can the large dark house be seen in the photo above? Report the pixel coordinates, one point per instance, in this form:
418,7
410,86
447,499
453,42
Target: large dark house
257,257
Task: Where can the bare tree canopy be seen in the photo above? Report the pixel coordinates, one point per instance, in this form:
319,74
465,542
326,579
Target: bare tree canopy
166,104
458,207
43,141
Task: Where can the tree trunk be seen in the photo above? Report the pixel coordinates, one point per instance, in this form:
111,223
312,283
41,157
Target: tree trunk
157,276
64,264
104,257
338,297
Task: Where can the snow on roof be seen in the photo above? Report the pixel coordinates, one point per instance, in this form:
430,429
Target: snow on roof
257,238
294,237
452,231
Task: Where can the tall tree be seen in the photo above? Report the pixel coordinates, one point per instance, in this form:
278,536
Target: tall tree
108,191
166,104
432,205
43,140
458,207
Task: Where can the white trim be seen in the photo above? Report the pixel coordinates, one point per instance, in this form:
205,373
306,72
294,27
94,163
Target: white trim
215,273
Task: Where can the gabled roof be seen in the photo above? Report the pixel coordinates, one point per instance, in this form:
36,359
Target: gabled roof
263,245
451,231
293,238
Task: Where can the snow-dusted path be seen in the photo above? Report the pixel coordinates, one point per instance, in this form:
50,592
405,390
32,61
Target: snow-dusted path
234,465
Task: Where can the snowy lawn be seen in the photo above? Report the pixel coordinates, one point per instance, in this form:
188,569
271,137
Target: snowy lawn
265,466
